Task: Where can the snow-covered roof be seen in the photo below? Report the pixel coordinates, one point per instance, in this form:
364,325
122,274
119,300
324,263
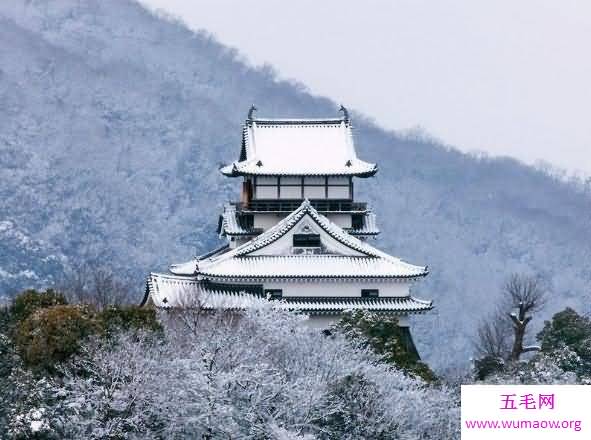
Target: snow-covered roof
344,256
308,266
230,225
369,226
297,147
401,305
190,267
165,290
168,291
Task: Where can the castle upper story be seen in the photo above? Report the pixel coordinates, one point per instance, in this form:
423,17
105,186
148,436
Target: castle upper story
285,161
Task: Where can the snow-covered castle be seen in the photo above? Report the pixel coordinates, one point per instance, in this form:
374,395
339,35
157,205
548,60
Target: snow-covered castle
296,236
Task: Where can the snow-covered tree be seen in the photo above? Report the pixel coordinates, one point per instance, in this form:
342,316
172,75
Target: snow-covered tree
260,374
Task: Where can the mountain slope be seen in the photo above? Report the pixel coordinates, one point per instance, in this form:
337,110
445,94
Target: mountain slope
113,123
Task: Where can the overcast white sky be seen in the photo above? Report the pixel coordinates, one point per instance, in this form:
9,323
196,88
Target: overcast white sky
510,77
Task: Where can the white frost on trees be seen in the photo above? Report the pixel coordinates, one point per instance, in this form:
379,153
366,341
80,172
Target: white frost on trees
263,375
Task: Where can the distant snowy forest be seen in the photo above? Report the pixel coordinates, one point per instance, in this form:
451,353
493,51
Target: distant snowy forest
114,122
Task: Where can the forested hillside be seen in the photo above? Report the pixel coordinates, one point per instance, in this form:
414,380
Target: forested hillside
113,123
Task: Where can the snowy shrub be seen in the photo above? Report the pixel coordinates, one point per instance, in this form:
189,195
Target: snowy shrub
113,319
50,335
29,301
487,366
47,331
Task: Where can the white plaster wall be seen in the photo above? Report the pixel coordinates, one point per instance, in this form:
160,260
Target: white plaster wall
321,322
403,321
342,220
266,220
338,288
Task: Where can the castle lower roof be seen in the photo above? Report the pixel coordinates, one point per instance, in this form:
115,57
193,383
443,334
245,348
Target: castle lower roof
229,277
170,291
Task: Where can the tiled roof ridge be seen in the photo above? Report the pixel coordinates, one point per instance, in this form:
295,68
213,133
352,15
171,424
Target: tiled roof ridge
297,121
350,257
229,222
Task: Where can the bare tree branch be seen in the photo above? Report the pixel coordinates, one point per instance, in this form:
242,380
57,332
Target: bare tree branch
493,339
527,295
523,296
527,290
96,285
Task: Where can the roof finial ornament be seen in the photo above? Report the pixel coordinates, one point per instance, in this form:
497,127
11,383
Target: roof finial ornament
345,113
251,111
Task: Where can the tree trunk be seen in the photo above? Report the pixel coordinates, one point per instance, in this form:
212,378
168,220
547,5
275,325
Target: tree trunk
519,325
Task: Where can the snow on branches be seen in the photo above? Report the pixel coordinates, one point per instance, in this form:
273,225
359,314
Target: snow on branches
260,374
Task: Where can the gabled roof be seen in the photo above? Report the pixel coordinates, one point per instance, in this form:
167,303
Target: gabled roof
169,291
306,209
229,224
358,260
298,147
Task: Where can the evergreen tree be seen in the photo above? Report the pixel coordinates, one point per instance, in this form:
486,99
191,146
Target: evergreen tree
567,337
387,339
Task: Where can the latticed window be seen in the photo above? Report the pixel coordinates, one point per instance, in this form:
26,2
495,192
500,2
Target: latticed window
308,187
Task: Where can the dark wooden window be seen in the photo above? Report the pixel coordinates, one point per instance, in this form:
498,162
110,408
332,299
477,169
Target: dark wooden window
246,221
370,293
357,221
274,293
306,240
247,192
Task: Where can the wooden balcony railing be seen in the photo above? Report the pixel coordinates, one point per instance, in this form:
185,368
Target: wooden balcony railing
292,205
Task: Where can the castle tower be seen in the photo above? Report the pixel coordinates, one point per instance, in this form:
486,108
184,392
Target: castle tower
297,235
